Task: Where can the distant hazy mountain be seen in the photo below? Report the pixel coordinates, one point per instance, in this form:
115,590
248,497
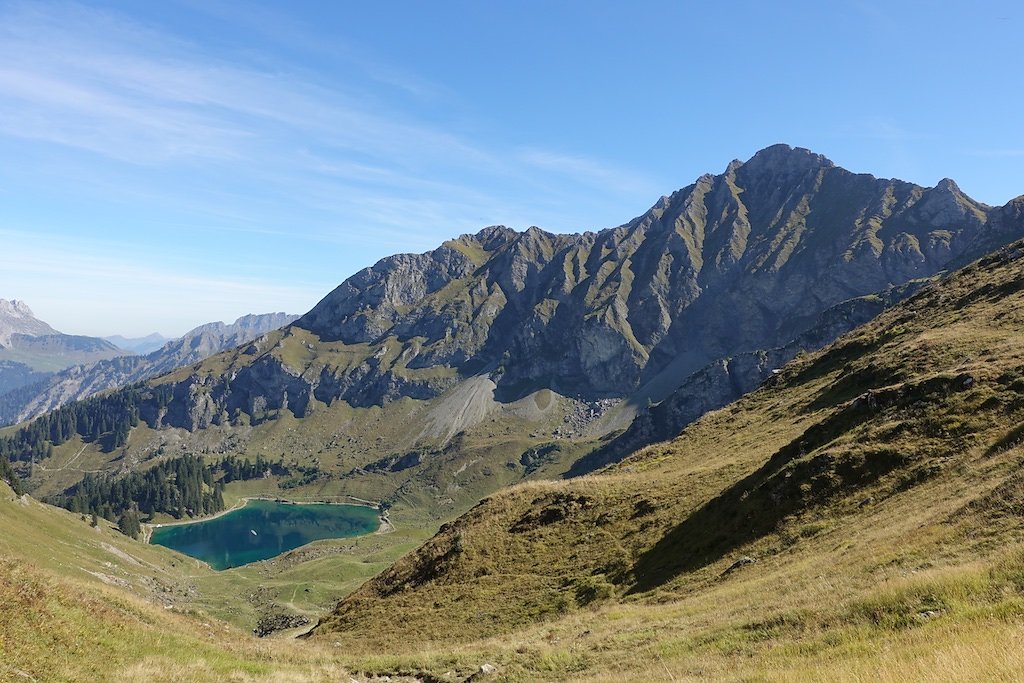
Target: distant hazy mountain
140,345
17,318
30,349
81,381
211,338
14,375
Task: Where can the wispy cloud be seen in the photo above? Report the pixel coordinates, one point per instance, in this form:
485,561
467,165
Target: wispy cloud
120,89
102,92
587,171
197,144
283,29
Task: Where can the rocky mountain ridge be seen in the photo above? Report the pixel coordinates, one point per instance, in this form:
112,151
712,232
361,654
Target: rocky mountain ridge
30,350
735,263
139,345
82,381
17,318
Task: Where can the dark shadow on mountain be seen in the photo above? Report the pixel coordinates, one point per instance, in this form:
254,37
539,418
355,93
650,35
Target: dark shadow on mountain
755,506
798,477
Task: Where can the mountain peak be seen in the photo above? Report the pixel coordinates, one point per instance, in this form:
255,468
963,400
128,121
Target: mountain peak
783,157
17,318
733,166
490,238
15,307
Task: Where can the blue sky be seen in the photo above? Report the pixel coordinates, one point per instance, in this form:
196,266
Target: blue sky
171,163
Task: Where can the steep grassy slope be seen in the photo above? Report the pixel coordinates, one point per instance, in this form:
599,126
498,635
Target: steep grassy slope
869,497
62,624
304,582
72,609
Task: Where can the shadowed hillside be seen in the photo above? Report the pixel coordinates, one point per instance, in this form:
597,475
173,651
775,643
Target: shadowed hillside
893,453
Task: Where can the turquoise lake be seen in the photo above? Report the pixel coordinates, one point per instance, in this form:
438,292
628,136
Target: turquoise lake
263,529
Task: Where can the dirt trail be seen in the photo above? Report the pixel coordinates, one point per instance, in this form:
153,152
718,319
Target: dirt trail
68,465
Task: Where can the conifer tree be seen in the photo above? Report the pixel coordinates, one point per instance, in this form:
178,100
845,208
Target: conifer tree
129,524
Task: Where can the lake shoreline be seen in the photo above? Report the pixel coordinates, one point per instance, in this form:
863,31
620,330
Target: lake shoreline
265,527
384,527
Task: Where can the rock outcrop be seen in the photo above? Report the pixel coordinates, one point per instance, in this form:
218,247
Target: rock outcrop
736,264
17,318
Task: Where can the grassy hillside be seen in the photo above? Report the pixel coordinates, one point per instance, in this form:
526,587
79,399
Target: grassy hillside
858,517
307,581
53,352
87,604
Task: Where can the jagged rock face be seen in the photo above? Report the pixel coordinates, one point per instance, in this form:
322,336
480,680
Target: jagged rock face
1003,226
17,318
735,263
211,338
368,304
732,263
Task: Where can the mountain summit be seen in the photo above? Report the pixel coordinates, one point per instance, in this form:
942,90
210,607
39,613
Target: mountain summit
502,353
17,318
30,349
735,262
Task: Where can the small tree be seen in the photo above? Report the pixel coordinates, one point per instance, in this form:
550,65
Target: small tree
128,523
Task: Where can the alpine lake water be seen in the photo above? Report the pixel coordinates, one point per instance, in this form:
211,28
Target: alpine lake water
263,529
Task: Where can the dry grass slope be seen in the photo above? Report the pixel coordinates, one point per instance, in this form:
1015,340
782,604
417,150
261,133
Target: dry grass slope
71,609
858,518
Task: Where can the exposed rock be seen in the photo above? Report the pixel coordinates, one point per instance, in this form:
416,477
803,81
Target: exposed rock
742,562
17,318
689,306
395,463
725,380
484,671
278,621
